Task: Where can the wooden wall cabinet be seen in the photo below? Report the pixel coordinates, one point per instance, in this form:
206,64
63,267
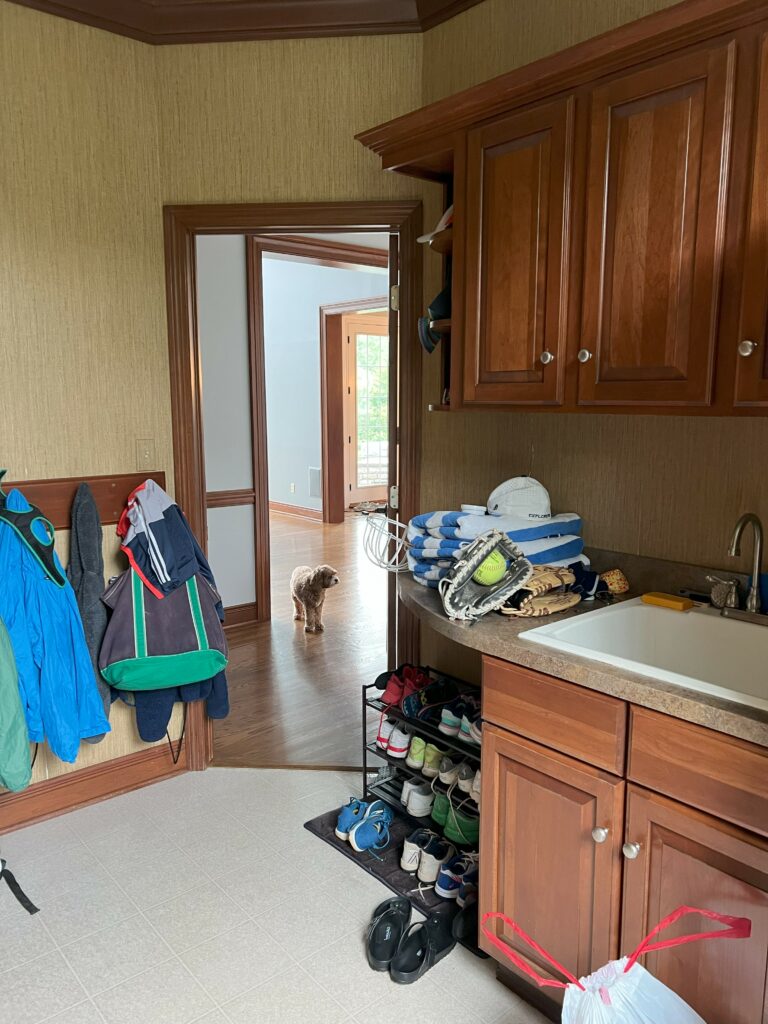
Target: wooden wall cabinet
752,341
518,200
587,863
653,235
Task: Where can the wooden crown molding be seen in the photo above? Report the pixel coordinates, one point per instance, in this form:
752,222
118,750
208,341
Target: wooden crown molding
414,137
164,22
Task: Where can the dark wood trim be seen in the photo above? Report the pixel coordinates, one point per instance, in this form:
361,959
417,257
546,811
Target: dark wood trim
400,142
300,511
55,497
163,22
259,429
331,402
240,615
292,218
324,252
226,499
89,785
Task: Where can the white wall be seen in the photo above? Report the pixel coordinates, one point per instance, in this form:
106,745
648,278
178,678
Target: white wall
293,291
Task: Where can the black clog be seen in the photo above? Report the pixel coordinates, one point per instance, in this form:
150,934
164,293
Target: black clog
423,945
388,925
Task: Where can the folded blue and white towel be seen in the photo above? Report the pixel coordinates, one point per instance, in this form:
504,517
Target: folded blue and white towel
467,526
538,552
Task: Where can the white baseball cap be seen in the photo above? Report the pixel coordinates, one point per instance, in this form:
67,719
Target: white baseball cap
521,496
445,221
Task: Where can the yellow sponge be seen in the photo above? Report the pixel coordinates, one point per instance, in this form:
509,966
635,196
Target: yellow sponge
677,604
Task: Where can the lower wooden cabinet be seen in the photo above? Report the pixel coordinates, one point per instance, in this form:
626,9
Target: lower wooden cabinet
540,864
686,857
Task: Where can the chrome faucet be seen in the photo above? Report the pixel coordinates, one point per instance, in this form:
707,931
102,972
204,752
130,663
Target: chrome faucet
753,598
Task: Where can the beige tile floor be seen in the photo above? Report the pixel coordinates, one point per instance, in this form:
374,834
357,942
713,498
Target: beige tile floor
202,899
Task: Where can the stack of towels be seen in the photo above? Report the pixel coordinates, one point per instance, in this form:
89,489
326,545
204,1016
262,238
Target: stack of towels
435,539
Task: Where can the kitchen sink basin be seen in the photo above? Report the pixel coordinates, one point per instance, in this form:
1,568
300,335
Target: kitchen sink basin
698,649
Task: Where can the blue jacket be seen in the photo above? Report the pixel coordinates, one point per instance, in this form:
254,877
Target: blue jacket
56,681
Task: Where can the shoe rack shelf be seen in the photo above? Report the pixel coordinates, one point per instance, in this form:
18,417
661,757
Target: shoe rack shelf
389,786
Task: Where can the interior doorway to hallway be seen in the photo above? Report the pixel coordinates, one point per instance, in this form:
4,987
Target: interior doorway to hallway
235,513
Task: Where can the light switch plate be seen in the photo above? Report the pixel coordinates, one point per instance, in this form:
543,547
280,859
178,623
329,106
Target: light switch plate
145,454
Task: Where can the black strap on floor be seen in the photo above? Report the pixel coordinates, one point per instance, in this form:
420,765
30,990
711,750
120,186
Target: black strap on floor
16,889
176,754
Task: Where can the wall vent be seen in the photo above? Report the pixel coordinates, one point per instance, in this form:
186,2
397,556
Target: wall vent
315,482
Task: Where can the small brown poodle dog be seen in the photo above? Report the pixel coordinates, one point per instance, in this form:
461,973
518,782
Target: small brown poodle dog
308,587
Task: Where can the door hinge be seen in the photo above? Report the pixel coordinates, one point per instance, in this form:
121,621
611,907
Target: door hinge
394,297
394,496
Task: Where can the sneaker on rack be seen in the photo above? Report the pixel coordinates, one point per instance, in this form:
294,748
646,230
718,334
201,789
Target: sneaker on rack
420,800
448,771
468,889
433,856
470,721
393,691
399,741
433,755
475,791
412,847
372,831
462,824
415,758
414,679
476,731
349,815
450,717
451,874
386,728
465,777
408,786
440,808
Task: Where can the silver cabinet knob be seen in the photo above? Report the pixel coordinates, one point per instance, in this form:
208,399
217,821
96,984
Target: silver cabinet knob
584,355
599,834
546,358
746,347
630,850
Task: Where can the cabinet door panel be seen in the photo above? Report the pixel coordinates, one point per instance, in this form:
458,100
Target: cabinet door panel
518,189
659,140
539,863
752,369
690,858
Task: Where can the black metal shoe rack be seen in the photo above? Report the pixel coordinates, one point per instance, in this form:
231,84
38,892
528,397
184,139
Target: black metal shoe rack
390,776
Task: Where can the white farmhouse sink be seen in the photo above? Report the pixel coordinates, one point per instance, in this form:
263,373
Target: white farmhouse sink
697,649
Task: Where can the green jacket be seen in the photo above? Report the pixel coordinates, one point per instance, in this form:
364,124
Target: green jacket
15,767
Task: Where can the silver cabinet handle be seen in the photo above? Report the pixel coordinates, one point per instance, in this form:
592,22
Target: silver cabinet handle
746,347
599,834
584,355
630,850
546,358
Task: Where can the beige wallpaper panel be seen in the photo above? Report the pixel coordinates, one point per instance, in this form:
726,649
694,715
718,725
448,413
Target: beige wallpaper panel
499,35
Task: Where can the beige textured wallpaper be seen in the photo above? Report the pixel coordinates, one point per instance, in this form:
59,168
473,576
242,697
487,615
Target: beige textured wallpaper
499,35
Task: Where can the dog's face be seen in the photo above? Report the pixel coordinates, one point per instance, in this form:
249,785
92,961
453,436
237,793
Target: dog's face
326,576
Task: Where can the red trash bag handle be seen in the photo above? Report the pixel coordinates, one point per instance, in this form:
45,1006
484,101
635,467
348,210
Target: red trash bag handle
518,961
738,928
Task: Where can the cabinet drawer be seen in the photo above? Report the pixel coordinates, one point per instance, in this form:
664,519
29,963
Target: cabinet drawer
590,726
720,774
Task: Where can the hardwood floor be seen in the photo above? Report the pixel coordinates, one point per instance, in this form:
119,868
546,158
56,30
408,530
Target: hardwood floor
295,698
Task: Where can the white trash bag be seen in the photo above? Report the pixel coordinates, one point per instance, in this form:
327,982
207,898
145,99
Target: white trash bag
622,992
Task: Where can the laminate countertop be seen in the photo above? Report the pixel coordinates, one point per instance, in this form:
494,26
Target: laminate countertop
499,637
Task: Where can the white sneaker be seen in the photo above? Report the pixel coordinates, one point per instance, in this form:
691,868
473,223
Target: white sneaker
386,727
412,847
420,800
399,740
408,786
465,777
475,791
433,856
449,771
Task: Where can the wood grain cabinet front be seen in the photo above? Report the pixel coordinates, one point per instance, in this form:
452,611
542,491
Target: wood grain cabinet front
659,140
515,262
752,342
684,857
541,864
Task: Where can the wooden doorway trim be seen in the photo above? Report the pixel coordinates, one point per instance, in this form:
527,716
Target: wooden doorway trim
331,401
182,224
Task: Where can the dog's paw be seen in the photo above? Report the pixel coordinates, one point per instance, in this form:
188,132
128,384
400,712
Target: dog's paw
298,617
320,628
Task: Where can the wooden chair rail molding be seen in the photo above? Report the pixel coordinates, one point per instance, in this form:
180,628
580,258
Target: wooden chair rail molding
55,497
398,141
